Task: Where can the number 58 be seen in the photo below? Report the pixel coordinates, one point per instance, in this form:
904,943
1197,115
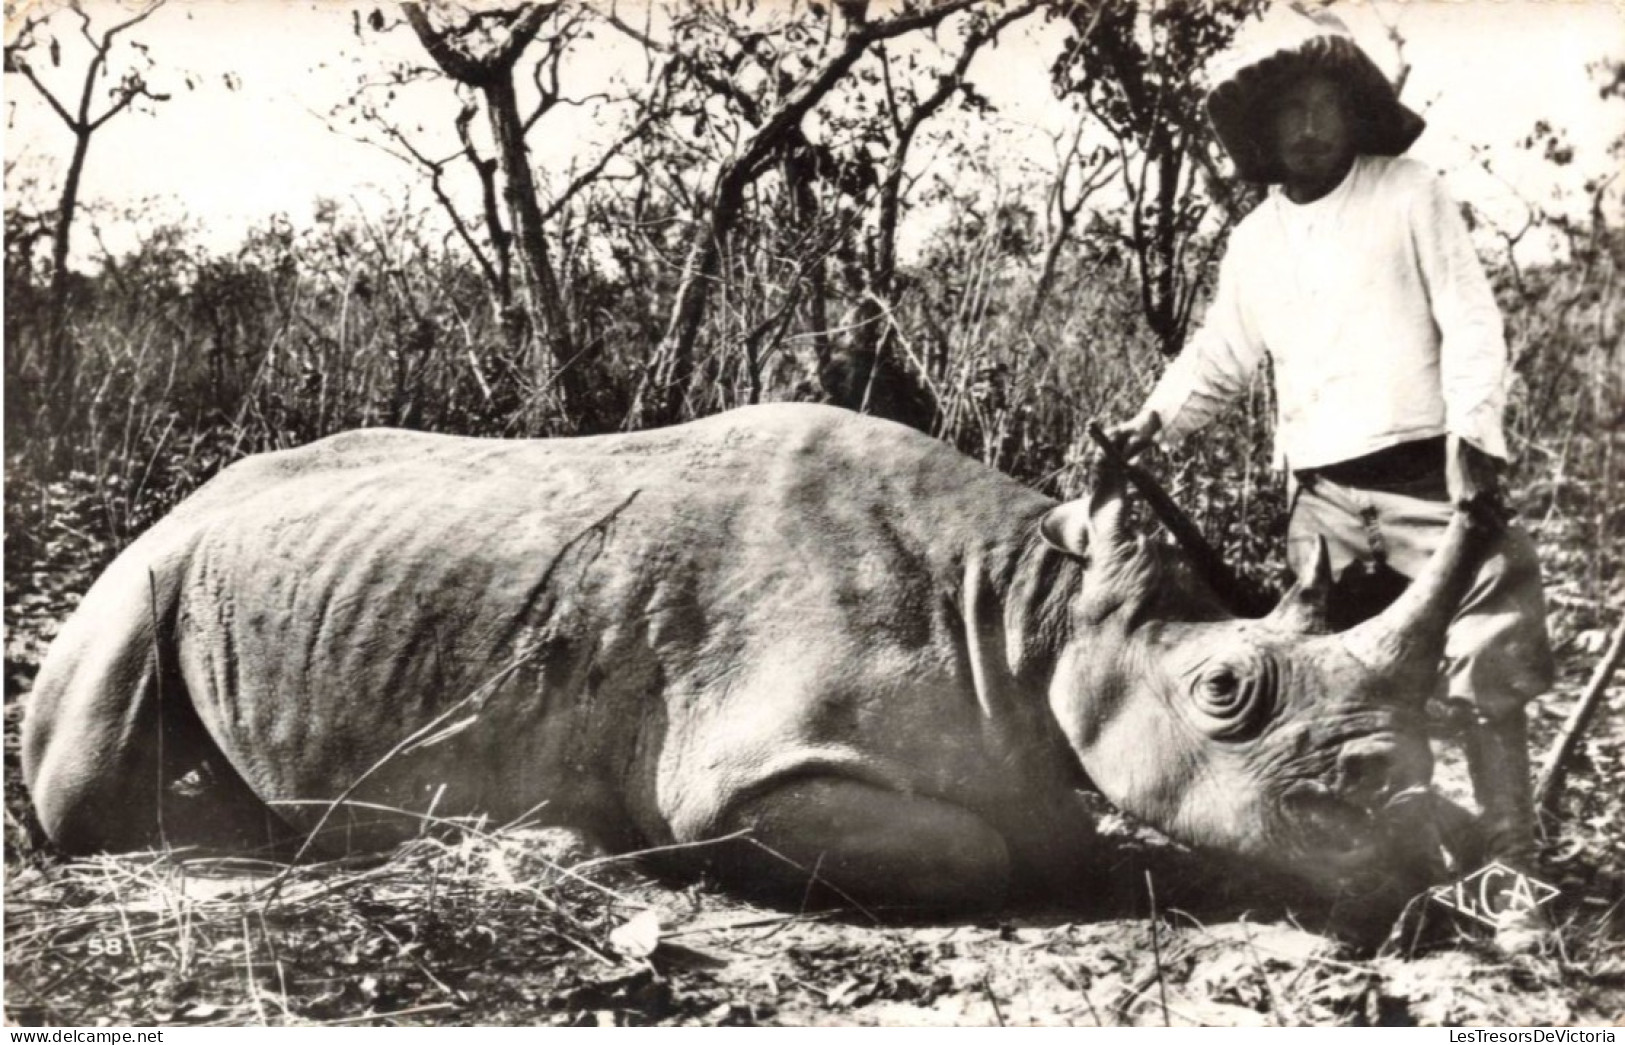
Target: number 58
112,946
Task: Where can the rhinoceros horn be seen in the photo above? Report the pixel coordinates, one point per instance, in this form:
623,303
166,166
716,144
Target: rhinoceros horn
1097,531
1409,635
1094,529
1303,609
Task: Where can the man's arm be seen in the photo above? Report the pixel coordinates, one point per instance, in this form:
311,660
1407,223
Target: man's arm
1216,366
1472,347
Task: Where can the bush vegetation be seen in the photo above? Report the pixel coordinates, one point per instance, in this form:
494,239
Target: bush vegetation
186,362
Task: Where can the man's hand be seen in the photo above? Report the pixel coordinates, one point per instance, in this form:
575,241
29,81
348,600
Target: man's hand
1134,436
1470,473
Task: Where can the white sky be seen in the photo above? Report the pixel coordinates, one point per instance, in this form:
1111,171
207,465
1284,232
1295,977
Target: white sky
1483,72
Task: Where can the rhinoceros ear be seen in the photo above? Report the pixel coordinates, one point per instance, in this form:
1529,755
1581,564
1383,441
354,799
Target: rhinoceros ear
1303,609
1066,528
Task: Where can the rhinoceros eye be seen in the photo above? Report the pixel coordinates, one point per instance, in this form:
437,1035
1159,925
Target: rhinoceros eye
1235,701
1220,687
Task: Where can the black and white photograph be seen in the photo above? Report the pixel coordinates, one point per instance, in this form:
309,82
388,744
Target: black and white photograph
837,513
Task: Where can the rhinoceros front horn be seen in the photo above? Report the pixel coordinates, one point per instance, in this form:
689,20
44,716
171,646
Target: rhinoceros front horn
1409,635
1303,609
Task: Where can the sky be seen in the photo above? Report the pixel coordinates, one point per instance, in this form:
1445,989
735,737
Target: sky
1483,71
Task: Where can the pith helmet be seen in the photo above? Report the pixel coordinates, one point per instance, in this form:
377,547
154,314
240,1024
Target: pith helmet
1288,44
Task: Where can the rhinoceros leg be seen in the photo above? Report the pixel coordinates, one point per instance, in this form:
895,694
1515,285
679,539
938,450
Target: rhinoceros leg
829,840
114,755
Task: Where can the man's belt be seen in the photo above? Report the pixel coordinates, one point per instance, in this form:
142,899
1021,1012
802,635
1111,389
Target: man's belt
1404,464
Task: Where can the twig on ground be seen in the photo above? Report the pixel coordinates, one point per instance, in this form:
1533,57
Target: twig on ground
418,1010
993,1000
1550,784
1156,949
1089,1002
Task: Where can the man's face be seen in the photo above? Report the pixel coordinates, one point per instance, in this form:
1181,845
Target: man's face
1312,132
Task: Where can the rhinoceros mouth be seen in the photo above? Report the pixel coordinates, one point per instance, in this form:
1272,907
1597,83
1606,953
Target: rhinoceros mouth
1328,828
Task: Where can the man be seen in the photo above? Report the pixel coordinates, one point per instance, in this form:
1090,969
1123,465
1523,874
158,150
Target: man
1358,281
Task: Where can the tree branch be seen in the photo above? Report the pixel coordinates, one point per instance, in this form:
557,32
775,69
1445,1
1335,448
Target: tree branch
84,22
21,65
23,38
485,170
893,110
487,270
874,32
800,101
748,108
592,173
127,96
547,94
649,42
951,81
137,19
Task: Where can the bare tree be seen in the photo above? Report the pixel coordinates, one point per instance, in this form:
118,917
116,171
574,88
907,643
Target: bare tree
481,50
370,114
1079,175
868,376
1133,67
83,123
666,385
736,68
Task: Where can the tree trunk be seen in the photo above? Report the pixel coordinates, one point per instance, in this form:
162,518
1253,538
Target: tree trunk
870,377
1165,322
675,357
537,279
869,322
799,174
1052,258
61,363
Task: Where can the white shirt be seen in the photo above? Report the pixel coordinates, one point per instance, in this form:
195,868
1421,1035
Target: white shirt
1374,312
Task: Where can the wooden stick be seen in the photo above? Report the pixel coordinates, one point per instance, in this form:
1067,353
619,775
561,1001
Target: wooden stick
1551,774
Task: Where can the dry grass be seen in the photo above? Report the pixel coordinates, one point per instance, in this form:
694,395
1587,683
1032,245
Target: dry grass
186,938
521,926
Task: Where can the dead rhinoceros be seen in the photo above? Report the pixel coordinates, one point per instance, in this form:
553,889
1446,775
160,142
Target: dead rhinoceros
890,664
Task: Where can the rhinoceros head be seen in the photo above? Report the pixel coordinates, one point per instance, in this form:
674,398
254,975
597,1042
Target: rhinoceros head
1271,738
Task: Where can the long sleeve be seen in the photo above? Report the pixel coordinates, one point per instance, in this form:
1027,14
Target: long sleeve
1472,346
1216,365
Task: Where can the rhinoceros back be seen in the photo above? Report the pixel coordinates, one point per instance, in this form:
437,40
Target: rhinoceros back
481,625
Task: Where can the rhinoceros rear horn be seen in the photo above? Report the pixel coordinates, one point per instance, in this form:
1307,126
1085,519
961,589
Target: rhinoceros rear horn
1095,524
1410,633
1303,609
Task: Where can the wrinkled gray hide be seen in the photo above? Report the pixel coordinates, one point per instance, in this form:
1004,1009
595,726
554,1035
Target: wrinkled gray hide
826,629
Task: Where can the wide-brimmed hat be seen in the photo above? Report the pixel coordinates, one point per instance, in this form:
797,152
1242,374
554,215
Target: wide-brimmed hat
1289,44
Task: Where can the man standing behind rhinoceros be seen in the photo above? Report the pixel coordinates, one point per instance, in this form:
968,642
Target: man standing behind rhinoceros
1357,279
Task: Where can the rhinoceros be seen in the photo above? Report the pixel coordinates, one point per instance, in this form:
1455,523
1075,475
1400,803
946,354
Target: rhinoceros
890,666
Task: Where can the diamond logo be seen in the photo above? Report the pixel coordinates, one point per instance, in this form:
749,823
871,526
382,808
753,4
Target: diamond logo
1494,893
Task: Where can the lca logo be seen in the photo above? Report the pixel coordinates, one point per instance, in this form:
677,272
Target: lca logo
1494,892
